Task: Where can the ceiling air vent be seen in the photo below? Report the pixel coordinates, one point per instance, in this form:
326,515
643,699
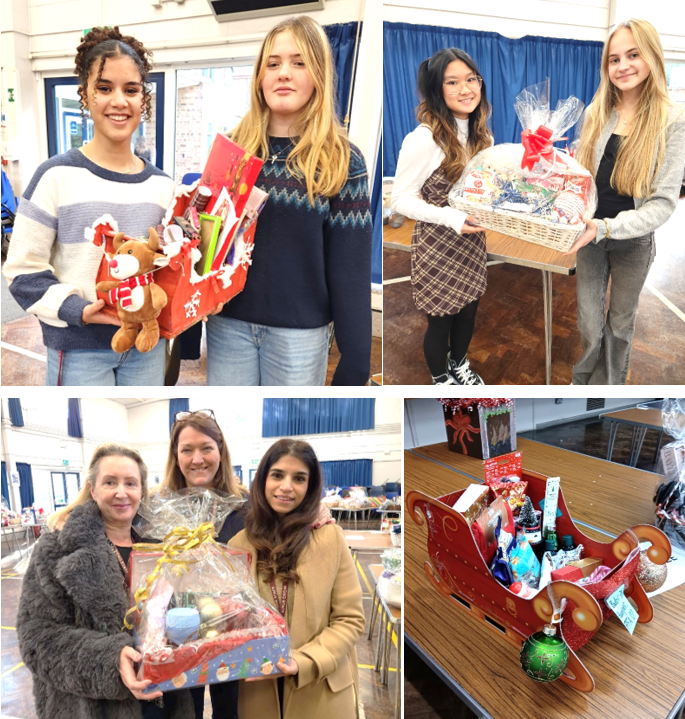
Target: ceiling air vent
225,10
594,404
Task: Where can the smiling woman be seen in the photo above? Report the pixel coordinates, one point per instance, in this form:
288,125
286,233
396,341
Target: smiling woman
52,265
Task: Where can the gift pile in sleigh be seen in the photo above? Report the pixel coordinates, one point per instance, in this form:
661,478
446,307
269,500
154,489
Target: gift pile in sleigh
461,562
192,263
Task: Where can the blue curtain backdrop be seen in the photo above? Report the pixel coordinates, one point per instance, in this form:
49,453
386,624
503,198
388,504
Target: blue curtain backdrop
348,473
26,484
342,38
506,64
74,419
290,417
377,215
5,487
177,405
16,416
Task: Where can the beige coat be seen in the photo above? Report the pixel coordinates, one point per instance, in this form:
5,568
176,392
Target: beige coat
327,621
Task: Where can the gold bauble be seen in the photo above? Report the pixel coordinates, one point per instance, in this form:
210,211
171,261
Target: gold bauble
210,633
652,576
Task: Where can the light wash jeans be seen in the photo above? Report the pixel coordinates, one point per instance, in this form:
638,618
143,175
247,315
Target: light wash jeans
107,368
241,354
607,341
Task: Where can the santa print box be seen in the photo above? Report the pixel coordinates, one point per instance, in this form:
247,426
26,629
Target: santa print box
248,652
189,296
468,434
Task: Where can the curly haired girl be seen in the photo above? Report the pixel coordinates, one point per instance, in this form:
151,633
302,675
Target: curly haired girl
52,263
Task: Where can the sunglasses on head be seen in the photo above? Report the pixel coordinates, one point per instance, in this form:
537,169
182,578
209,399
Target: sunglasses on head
204,413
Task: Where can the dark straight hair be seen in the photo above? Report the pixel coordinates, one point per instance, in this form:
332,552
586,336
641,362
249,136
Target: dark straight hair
433,111
280,539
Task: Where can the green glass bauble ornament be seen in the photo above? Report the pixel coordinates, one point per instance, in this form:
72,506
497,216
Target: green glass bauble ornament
544,655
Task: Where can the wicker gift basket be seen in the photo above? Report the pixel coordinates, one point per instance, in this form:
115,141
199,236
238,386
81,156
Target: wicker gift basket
458,571
533,190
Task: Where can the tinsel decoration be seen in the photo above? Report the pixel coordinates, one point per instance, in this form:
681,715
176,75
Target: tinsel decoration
462,403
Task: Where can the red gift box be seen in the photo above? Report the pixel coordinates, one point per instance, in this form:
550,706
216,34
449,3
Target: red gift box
570,574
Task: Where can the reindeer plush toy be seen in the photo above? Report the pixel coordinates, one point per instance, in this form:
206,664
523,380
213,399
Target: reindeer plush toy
137,297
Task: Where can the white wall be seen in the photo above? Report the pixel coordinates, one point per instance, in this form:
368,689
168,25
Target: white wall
586,20
39,39
424,422
44,443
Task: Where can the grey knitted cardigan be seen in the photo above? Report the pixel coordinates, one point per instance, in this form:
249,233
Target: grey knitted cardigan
652,212
71,611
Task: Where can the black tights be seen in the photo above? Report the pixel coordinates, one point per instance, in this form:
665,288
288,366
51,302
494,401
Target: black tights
451,333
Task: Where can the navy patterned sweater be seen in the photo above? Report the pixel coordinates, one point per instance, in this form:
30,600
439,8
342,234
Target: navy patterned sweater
312,264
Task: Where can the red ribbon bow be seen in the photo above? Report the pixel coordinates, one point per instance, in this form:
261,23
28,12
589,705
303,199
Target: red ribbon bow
536,145
177,261
123,291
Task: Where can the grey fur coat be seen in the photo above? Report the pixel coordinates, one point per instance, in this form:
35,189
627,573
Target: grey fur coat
69,623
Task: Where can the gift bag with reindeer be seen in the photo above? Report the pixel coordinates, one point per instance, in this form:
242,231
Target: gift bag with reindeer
480,428
191,264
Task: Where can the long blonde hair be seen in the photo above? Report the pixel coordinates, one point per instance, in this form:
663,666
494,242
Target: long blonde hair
322,154
224,478
632,175
58,518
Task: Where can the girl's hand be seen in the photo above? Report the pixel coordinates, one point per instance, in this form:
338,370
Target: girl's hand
128,675
92,315
289,669
467,229
586,238
215,312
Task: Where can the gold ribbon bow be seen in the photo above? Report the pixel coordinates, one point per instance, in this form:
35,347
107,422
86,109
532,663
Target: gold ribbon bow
178,541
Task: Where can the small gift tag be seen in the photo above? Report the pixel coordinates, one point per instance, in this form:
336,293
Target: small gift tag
623,609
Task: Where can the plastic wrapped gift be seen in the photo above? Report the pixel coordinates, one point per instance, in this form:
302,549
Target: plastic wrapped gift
533,190
332,497
670,496
197,614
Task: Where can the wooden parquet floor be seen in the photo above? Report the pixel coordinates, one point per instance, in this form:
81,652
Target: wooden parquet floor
508,342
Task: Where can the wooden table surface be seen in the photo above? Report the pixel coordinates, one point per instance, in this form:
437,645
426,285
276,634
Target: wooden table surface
519,252
638,677
641,417
371,541
605,495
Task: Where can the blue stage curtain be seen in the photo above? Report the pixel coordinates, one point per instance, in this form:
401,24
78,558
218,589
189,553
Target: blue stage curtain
348,473
177,405
290,417
507,65
26,484
377,215
16,416
5,487
342,38
74,419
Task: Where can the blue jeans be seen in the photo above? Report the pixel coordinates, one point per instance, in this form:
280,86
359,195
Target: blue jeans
607,340
241,354
107,368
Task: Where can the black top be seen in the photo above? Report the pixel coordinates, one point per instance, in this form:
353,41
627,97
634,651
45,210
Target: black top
233,524
609,202
125,553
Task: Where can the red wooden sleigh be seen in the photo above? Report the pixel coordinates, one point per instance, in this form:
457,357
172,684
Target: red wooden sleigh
456,568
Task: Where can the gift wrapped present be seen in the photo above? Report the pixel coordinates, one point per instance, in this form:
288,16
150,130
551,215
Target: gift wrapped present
480,428
332,497
197,614
532,190
203,246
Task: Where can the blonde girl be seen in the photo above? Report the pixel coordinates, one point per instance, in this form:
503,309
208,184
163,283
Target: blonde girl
312,257
633,141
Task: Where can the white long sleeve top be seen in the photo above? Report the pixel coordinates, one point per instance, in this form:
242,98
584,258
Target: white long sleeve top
419,157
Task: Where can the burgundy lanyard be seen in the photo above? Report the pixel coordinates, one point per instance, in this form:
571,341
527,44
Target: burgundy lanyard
284,596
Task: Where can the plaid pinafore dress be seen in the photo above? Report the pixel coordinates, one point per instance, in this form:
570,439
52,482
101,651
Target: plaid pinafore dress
448,269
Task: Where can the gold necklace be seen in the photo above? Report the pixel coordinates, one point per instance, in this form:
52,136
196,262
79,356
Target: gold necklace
126,172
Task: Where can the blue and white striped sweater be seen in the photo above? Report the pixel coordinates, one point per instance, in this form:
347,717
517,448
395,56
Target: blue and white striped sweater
52,264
